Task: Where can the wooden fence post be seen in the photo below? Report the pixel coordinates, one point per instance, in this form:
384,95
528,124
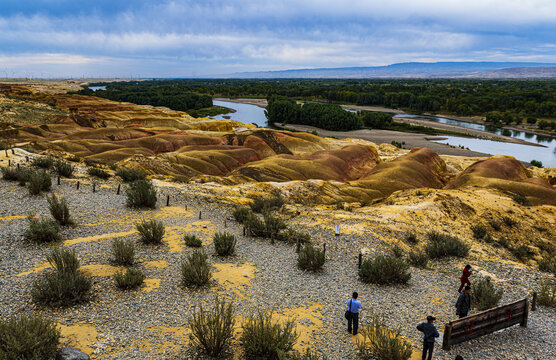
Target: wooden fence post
446,337
13,152
6,152
244,231
9,162
324,249
360,260
58,179
118,191
534,303
26,158
199,215
94,187
167,200
525,314
297,246
225,224
77,184
17,166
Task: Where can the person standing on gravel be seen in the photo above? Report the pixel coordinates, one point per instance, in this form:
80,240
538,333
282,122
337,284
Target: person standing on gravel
465,277
429,335
352,313
464,302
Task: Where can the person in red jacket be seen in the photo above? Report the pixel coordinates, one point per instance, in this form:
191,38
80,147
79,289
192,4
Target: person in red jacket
465,277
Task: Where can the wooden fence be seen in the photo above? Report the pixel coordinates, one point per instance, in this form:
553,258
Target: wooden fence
486,322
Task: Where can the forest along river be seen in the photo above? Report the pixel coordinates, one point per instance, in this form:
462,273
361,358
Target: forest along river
547,154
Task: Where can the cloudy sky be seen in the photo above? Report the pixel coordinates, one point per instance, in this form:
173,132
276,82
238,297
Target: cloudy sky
158,38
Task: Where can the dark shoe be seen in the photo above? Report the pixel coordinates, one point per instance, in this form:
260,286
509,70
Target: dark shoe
354,334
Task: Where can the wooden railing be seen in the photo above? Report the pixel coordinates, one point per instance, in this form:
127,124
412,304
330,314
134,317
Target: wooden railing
486,322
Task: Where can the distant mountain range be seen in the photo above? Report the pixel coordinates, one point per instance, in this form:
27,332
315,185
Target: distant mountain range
416,70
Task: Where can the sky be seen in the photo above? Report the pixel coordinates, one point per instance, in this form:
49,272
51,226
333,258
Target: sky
184,38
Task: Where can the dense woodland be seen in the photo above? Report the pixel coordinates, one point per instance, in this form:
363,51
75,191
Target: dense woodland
170,95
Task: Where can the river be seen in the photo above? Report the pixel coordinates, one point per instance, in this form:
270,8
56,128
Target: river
547,154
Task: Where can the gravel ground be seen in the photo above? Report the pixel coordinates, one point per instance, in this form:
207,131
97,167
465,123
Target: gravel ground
131,325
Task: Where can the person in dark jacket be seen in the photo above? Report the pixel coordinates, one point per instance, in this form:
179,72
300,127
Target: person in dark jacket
463,305
429,335
353,306
464,279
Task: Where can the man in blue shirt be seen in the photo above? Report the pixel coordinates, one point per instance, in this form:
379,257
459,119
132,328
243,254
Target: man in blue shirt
429,336
353,308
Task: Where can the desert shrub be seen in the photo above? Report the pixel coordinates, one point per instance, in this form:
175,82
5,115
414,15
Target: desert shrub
443,245
509,221
38,182
547,294
521,200
521,252
548,264
310,258
240,213
123,251
141,193
385,270
61,289
131,279
381,343
213,330
484,295
397,251
273,225
263,338
224,243
74,159
411,237
63,260
195,270
418,259
151,231
479,231
91,162
495,224
10,173
309,354
293,236
4,145
42,230
129,174
59,210
28,338
99,173
254,225
260,205
536,163
43,162
63,168
192,241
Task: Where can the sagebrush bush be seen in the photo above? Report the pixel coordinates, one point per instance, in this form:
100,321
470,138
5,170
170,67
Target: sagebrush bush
254,225
263,338
270,227
385,270
59,210
240,213
123,251
381,343
131,279
547,294
63,260
548,264
10,173
484,295
195,270
495,224
310,258
521,200
411,237
28,338
224,243
260,205
509,221
63,168
151,231
397,251
39,181
293,236
273,225
61,289
522,252
43,162
212,330
192,241
479,231
4,145
141,193
443,245
98,172
42,230
129,174
309,354
418,259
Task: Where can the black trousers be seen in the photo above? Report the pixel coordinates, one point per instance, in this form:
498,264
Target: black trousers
462,315
427,347
353,323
